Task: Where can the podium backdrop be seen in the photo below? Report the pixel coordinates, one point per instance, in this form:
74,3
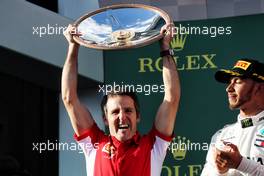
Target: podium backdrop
203,106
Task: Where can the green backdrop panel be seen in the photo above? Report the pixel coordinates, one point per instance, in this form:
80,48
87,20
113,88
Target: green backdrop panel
203,106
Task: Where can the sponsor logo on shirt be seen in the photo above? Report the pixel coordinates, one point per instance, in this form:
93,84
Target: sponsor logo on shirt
260,133
246,123
259,143
109,150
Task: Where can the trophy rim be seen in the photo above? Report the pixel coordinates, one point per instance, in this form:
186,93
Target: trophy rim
149,41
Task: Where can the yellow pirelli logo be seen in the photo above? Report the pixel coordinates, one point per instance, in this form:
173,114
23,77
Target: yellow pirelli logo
242,64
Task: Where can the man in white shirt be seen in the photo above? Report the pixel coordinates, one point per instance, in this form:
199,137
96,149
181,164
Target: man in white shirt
238,149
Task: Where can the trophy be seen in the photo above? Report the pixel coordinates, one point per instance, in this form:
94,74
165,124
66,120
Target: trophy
121,27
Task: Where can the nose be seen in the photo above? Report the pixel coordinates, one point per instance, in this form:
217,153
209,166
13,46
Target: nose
230,87
122,116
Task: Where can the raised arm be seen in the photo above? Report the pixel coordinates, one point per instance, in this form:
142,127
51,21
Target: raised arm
166,114
80,117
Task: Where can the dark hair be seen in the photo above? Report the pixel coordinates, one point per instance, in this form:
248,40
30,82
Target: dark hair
119,93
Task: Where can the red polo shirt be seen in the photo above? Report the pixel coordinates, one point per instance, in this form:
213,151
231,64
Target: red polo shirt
139,156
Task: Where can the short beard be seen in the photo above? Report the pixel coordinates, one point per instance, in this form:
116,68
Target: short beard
235,106
247,97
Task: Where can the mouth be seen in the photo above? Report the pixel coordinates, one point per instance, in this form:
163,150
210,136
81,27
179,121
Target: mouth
231,96
123,126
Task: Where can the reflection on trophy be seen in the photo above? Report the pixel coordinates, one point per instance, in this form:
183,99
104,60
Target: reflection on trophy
123,37
121,27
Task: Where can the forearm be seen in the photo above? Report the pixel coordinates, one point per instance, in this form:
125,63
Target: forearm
172,92
167,111
80,117
251,167
69,75
171,80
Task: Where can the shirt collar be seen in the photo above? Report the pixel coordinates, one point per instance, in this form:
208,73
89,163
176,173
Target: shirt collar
251,120
134,140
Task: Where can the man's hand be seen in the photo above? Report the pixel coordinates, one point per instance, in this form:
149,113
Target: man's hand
220,162
168,31
70,32
226,158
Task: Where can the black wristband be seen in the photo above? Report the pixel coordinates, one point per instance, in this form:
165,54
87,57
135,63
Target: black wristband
167,53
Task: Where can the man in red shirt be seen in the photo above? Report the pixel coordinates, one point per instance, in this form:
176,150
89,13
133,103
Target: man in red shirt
124,151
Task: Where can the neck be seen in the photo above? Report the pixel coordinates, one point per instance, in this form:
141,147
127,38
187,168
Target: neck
251,111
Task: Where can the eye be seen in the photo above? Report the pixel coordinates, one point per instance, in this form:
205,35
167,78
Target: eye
239,81
128,110
114,112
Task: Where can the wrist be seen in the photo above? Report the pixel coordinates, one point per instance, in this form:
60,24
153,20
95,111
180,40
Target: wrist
238,161
74,45
223,171
164,47
168,52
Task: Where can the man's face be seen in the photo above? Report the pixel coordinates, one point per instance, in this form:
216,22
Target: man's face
121,117
240,92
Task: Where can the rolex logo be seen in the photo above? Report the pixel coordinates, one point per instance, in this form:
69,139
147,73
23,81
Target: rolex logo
179,147
178,42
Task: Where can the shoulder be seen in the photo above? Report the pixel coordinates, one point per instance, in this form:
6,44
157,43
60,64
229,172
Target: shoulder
154,134
154,137
224,130
94,134
227,127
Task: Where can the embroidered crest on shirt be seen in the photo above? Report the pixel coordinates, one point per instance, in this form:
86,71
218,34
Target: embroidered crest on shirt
109,150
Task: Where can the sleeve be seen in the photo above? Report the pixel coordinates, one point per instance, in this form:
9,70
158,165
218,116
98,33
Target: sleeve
159,150
251,167
89,140
94,133
155,132
209,168
160,144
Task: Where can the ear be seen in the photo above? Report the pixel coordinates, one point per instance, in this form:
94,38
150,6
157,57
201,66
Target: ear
105,121
260,88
